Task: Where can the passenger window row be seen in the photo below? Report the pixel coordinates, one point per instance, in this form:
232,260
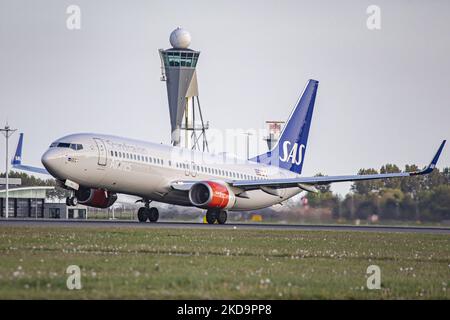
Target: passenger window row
219,172
185,166
136,157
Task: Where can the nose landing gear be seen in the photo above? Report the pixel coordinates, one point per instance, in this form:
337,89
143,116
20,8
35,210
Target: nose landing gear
147,213
72,201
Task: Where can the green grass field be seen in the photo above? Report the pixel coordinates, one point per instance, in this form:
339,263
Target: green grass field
211,263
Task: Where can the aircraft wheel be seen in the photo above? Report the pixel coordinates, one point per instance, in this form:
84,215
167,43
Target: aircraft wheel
211,216
153,214
142,216
222,217
71,201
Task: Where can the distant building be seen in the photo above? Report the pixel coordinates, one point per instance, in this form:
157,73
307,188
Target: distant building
31,202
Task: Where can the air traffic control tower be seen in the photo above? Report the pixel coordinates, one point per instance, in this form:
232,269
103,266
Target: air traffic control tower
178,70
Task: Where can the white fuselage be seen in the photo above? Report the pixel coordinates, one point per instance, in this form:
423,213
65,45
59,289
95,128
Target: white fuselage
148,170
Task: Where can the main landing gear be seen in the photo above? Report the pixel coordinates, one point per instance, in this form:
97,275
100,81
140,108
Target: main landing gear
147,213
213,216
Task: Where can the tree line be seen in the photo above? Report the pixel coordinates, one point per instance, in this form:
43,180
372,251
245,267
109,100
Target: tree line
419,198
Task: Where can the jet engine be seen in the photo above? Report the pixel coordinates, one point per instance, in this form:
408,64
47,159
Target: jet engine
211,194
98,198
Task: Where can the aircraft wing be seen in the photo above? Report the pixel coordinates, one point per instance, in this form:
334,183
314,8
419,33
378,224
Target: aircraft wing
16,162
304,182
307,183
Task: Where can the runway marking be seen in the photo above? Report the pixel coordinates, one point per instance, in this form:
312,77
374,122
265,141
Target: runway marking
230,225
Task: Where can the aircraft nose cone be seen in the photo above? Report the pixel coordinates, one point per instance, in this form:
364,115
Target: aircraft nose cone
52,160
47,158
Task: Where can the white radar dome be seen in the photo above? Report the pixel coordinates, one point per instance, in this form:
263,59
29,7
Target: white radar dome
180,38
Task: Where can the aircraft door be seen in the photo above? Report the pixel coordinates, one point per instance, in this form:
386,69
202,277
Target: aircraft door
193,169
187,169
101,151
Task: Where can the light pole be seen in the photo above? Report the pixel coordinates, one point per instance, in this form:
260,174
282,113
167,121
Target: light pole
7,132
248,134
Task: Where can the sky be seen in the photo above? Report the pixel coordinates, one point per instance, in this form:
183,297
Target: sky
384,94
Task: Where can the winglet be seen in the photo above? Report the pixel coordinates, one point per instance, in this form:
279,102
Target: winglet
433,162
17,160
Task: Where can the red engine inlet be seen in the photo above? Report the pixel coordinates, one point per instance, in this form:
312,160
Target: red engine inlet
97,198
209,194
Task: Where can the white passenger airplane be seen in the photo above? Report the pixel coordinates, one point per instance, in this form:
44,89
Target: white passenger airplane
96,167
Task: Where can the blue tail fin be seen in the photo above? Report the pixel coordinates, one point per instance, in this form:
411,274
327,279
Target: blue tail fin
17,160
290,149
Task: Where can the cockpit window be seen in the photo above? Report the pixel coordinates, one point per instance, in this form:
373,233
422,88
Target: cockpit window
76,146
73,146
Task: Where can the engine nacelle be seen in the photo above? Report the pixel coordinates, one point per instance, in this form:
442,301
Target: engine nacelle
211,194
97,198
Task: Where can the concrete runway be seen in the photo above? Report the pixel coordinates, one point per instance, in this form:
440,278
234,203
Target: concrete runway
230,225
